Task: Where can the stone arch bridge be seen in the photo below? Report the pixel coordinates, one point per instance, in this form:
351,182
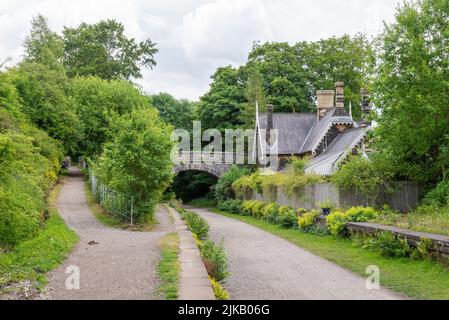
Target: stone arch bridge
216,165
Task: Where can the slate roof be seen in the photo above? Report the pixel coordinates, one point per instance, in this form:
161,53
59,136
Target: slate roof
320,129
293,129
302,132
325,163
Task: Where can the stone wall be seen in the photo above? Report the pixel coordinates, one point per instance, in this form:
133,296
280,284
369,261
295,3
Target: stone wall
405,198
440,243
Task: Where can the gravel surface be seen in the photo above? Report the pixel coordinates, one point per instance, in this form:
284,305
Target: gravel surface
117,264
264,266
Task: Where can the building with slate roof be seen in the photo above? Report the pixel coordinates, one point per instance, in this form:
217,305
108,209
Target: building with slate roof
328,137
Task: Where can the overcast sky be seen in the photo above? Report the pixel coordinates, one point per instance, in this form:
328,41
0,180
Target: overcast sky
195,37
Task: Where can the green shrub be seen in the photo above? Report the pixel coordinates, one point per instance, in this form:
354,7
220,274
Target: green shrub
257,209
196,224
328,204
360,214
288,219
223,189
308,219
247,207
223,205
438,196
424,250
215,259
386,243
301,211
336,222
270,212
283,210
27,171
232,206
290,181
318,229
298,165
372,178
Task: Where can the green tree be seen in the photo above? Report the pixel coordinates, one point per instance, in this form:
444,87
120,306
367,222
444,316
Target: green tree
285,77
97,101
254,93
220,107
137,159
178,113
103,50
348,59
44,94
412,89
43,46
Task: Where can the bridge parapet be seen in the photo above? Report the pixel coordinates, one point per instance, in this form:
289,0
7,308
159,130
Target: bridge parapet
216,163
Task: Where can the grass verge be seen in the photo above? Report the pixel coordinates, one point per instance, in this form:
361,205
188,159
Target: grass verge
29,261
168,268
99,213
110,221
425,218
414,278
202,203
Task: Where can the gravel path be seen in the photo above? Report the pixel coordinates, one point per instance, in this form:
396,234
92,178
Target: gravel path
120,265
264,266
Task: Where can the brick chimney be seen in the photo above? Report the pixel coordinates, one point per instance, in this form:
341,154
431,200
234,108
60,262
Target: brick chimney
340,99
325,101
366,107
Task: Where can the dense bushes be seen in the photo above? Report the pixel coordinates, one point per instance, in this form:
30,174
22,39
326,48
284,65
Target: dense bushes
223,189
372,178
291,181
308,219
386,243
283,215
304,220
337,220
215,259
439,196
29,164
232,206
197,224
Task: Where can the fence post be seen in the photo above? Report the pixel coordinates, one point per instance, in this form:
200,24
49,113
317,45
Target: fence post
132,209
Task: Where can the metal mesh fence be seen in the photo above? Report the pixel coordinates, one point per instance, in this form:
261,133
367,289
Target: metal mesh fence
116,203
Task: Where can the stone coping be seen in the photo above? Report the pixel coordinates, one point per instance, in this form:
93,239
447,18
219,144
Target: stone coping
441,242
194,283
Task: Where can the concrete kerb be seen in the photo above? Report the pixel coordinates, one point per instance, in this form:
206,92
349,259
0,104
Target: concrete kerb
194,283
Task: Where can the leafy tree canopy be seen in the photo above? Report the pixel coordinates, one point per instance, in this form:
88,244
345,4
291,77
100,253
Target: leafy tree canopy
137,159
348,59
288,77
178,113
47,104
220,107
103,50
42,45
412,90
96,102
285,78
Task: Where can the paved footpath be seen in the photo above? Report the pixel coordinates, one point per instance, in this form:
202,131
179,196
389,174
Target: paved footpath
121,265
264,266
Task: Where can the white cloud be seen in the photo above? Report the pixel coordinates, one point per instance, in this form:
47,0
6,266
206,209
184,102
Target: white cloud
197,36
223,31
